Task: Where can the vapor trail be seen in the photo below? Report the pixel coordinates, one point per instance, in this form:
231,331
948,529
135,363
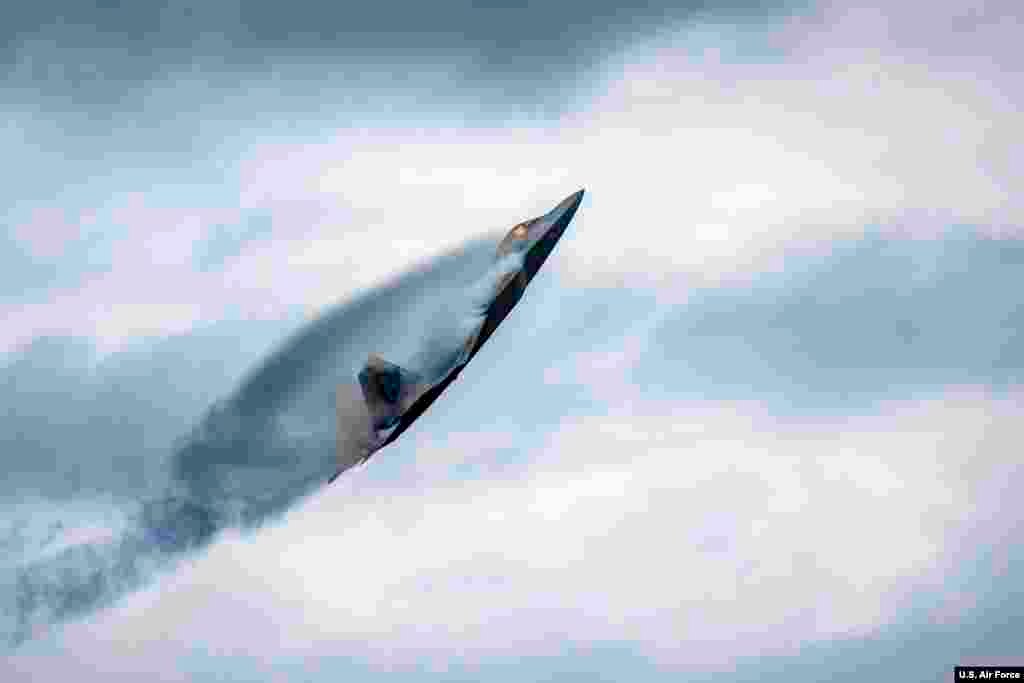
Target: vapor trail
251,457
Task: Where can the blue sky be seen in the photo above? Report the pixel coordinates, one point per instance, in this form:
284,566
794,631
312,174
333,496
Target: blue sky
758,415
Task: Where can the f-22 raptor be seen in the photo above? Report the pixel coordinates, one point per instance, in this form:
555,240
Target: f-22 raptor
395,397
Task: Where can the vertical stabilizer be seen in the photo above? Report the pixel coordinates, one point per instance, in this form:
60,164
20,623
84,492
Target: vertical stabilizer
388,390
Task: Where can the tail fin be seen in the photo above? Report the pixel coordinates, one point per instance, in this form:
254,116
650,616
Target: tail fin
388,390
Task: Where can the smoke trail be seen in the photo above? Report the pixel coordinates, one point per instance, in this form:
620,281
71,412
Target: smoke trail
252,456
80,567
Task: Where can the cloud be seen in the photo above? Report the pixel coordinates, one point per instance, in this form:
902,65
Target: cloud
47,231
189,475
86,444
698,532
78,50
151,283
702,168
652,521
270,441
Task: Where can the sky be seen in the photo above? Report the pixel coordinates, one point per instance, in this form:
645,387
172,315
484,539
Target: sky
759,415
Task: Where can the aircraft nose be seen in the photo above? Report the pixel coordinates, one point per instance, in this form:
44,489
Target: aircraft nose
568,205
558,218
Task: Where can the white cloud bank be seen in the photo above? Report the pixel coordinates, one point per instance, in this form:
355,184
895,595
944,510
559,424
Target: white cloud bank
699,169
698,532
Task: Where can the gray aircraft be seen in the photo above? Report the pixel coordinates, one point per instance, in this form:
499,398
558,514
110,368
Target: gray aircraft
394,397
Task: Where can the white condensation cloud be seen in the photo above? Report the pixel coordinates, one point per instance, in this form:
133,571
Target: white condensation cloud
407,195
697,532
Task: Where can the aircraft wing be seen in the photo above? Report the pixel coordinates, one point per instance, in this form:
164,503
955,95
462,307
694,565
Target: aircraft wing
394,397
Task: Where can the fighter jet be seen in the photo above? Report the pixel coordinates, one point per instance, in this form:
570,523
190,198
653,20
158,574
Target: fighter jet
394,397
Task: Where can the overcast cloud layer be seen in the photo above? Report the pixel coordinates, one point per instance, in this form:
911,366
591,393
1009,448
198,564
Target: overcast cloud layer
75,51
761,410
